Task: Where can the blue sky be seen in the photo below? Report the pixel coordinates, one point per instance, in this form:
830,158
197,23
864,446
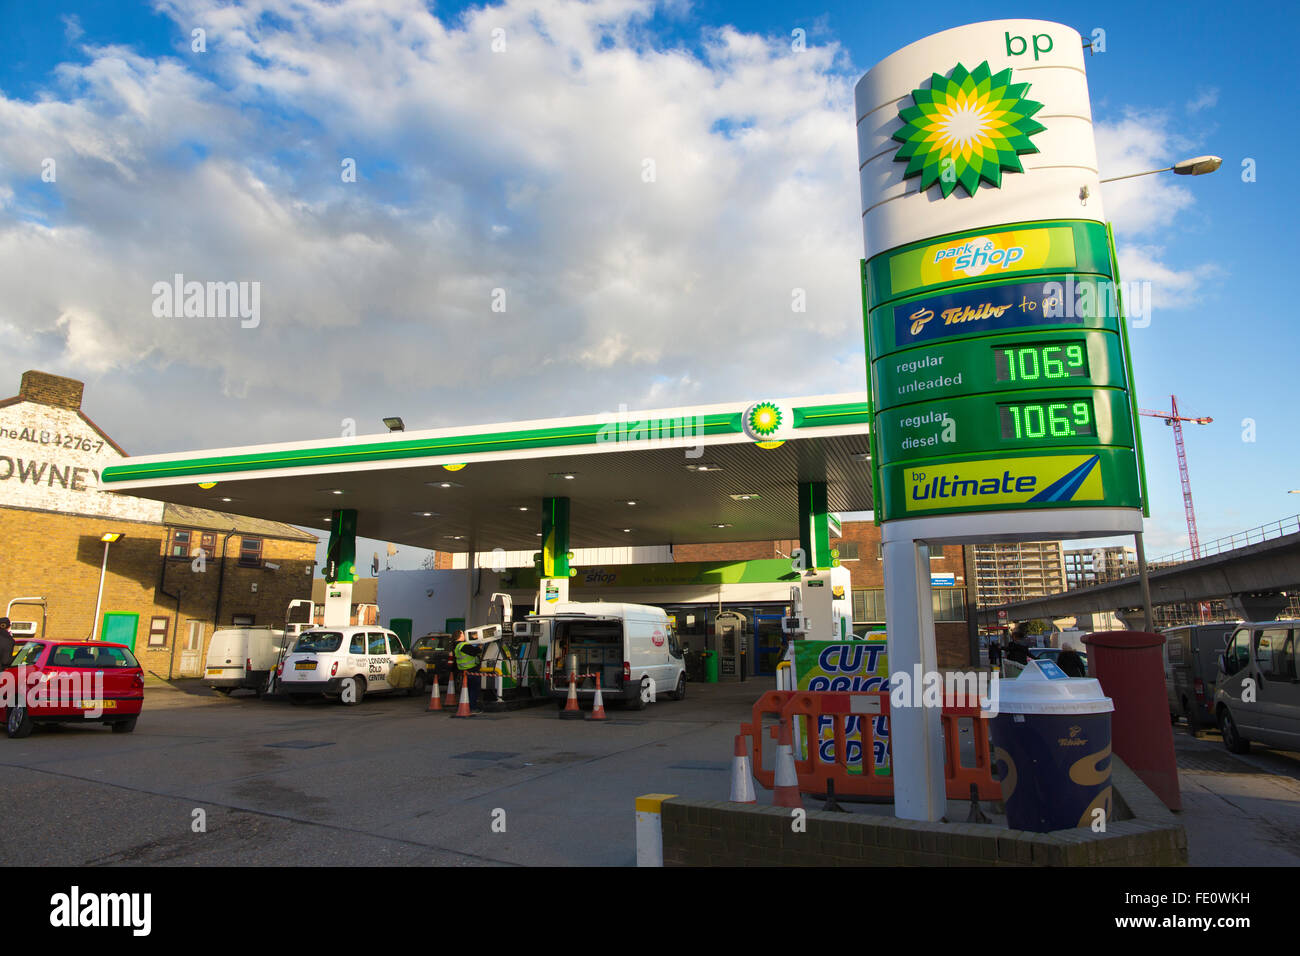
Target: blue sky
223,163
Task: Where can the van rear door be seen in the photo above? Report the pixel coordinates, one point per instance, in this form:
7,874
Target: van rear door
227,652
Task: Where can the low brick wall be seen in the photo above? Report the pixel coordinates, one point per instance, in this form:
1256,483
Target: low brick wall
718,833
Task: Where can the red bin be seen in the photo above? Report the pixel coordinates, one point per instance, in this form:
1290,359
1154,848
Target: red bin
1130,666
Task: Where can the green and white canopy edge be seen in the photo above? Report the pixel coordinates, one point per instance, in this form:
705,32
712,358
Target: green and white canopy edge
478,487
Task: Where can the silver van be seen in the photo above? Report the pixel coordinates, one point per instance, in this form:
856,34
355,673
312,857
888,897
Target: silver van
1257,695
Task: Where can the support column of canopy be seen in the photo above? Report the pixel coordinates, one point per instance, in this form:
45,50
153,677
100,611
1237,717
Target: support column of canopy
340,567
553,581
814,524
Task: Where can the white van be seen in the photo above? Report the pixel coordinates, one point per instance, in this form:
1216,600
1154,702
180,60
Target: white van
627,644
349,662
242,657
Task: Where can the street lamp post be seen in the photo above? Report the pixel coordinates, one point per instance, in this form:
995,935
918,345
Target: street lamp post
108,539
1196,166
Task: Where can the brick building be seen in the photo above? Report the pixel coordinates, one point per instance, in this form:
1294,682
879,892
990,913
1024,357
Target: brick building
160,594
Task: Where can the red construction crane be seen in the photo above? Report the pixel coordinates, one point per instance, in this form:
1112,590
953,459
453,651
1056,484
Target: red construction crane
1172,417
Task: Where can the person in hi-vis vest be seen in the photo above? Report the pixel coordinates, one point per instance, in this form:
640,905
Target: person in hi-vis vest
467,656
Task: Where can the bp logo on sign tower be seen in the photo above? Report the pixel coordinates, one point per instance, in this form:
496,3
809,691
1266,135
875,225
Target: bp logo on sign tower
967,127
993,388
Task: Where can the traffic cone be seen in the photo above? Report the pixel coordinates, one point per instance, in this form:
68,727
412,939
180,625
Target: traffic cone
571,710
435,698
450,700
598,707
463,709
742,776
787,780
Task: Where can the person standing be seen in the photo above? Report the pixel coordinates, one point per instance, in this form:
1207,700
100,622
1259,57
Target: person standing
1070,662
995,654
1017,652
6,643
467,656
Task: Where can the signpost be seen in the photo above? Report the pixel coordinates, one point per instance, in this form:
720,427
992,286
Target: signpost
1002,405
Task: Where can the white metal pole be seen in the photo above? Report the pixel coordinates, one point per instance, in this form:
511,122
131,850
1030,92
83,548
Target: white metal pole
94,621
915,731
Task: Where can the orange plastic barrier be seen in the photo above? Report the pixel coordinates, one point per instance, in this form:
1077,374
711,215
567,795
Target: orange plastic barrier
814,772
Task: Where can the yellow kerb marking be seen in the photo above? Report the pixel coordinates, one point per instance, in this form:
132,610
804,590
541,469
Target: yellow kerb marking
652,802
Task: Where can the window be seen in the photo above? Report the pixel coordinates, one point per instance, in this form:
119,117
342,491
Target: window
100,656
395,644
848,550
180,547
1238,652
1275,652
868,605
949,604
319,642
250,552
376,642
358,644
241,620
880,550
27,654
208,541
158,631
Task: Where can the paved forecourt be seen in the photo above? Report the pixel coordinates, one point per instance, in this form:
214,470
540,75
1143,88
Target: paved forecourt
382,783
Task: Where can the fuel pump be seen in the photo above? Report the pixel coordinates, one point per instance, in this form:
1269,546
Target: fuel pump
821,606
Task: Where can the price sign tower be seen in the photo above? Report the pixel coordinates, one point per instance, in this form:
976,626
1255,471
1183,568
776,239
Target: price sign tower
998,358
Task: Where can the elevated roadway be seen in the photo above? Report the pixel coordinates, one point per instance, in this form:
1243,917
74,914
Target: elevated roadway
1250,579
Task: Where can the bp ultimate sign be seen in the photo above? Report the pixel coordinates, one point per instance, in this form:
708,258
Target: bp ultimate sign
997,356
1001,387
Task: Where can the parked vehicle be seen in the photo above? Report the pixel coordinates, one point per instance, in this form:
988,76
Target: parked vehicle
435,650
1053,653
1191,655
1257,694
71,682
242,657
627,644
347,663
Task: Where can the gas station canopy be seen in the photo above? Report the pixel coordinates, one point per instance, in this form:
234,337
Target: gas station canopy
712,473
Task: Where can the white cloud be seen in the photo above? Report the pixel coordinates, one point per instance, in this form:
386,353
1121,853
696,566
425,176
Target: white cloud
1205,99
520,170
1144,208
477,170
72,29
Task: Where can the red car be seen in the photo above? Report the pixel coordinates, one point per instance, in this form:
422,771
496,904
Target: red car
53,682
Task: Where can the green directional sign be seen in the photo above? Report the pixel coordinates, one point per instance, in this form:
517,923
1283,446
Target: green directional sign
999,373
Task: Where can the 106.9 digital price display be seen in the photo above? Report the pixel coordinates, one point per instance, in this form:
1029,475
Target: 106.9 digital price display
1063,419
1040,364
